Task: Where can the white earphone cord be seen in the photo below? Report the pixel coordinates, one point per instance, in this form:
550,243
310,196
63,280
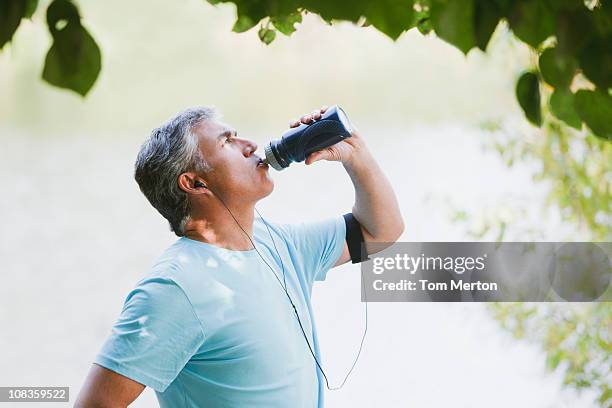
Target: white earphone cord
284,287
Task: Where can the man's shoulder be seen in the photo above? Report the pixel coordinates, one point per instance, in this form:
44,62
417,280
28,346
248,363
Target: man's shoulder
173,261
167,274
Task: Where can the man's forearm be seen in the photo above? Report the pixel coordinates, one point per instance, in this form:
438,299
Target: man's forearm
376,207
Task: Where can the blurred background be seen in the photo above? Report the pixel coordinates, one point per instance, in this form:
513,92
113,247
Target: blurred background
77,234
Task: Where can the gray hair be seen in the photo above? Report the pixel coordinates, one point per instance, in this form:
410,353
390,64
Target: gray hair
172,149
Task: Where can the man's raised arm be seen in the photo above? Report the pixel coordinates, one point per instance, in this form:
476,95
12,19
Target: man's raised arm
376,207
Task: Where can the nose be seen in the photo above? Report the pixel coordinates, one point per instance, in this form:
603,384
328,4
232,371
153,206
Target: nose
249,147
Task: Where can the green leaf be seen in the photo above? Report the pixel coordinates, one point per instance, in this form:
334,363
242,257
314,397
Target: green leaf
596,62
424,26
62,11
243,23
562,106
553,359
256,10
392,17
286,24
74,60
422,20
602,18
528,95
11,13
574,29
30,8
532,21
81,71
453,21
486,17
558,70
595,109
266,35
336,10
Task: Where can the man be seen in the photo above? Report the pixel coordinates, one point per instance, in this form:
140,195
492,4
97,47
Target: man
211,325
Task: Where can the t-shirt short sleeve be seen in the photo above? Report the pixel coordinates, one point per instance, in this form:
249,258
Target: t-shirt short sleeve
155,335
319,245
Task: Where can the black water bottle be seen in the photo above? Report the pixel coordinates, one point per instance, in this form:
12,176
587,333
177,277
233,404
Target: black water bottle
297,143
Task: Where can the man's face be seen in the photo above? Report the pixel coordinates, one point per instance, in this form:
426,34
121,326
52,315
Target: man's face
236,170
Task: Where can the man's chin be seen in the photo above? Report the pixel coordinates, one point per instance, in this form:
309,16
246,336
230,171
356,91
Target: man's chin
265,189
269,187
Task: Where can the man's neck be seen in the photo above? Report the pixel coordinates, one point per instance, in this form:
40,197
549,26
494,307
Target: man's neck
219,228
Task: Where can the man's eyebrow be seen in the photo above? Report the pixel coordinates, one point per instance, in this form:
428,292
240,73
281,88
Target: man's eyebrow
226,133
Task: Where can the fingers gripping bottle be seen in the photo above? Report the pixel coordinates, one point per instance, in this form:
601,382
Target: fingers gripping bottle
297,143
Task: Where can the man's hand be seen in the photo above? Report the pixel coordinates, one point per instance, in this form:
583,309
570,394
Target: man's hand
344,151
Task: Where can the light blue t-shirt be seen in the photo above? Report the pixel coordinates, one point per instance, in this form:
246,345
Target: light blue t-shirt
212,327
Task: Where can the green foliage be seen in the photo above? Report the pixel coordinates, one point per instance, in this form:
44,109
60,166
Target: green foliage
562,106
486,19
577,168
576,338
532,21
286,24
30,8
573,164
243,23
595,108
574,38
556,69
528,95
266,35
74,59
11,13
392,17
454,21
421,18
596,62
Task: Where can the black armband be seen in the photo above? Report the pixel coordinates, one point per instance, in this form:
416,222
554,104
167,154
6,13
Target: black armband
354,239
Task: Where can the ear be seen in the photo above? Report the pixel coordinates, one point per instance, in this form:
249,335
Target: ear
192,183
